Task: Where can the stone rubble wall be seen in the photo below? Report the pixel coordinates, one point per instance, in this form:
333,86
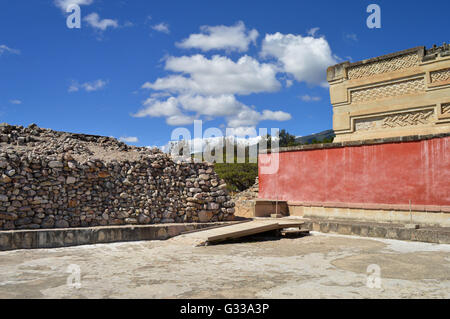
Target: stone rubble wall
44,189
245,201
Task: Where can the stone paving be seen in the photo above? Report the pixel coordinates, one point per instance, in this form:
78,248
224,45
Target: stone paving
316,266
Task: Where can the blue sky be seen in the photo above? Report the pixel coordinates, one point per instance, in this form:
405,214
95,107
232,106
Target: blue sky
139,69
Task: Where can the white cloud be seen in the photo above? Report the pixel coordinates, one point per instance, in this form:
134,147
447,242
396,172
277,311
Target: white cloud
244,131
128,24
170,109
248,117
180,119
231,38
4,48
94,86
157,108
184,109
309,98
74,87
129,139
221,105
206,88
351,36
87,86
306,58
15,102
95,22
289,83
312,32
218,75
63,4
161,27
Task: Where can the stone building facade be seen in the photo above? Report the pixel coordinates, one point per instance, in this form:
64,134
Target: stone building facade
399,94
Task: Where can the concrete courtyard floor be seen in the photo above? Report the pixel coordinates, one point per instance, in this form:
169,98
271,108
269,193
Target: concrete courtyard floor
316,266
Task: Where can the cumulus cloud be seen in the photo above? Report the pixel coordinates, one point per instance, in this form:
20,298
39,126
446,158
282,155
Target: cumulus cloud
129,139
64,4
95,22
309,98
169,108
249,117
161,27
218,75
87,86
6,49
158,108
15,102
205,88
184,109
306,58
221,105
231,38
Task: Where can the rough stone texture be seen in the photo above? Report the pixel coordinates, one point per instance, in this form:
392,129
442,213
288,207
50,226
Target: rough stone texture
399,94
56,179
245,201
317,266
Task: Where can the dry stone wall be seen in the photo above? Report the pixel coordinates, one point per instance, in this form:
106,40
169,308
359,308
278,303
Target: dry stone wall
52,179
245,201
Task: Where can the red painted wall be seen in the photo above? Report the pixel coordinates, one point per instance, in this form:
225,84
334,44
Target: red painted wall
382,174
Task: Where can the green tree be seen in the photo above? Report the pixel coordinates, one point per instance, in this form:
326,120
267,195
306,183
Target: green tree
287,139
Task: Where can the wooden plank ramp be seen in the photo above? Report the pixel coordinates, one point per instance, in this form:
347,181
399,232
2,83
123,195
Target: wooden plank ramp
215,235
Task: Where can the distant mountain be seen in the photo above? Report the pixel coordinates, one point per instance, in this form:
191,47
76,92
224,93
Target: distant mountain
317,136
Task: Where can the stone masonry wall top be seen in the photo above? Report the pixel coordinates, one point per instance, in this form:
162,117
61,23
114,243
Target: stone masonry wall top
400,139
52,179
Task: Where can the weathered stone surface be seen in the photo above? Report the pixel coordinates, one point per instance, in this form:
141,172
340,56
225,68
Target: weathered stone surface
58,179
399,94
71,180
5,179
144,219
55,164
8,216
205,216
243,203
62,224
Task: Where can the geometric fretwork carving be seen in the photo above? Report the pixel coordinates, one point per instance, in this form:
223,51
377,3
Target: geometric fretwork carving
394,120
445,108
388,65
388,90
440,76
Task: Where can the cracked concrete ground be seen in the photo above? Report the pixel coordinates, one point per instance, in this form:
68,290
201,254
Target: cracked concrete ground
316,266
